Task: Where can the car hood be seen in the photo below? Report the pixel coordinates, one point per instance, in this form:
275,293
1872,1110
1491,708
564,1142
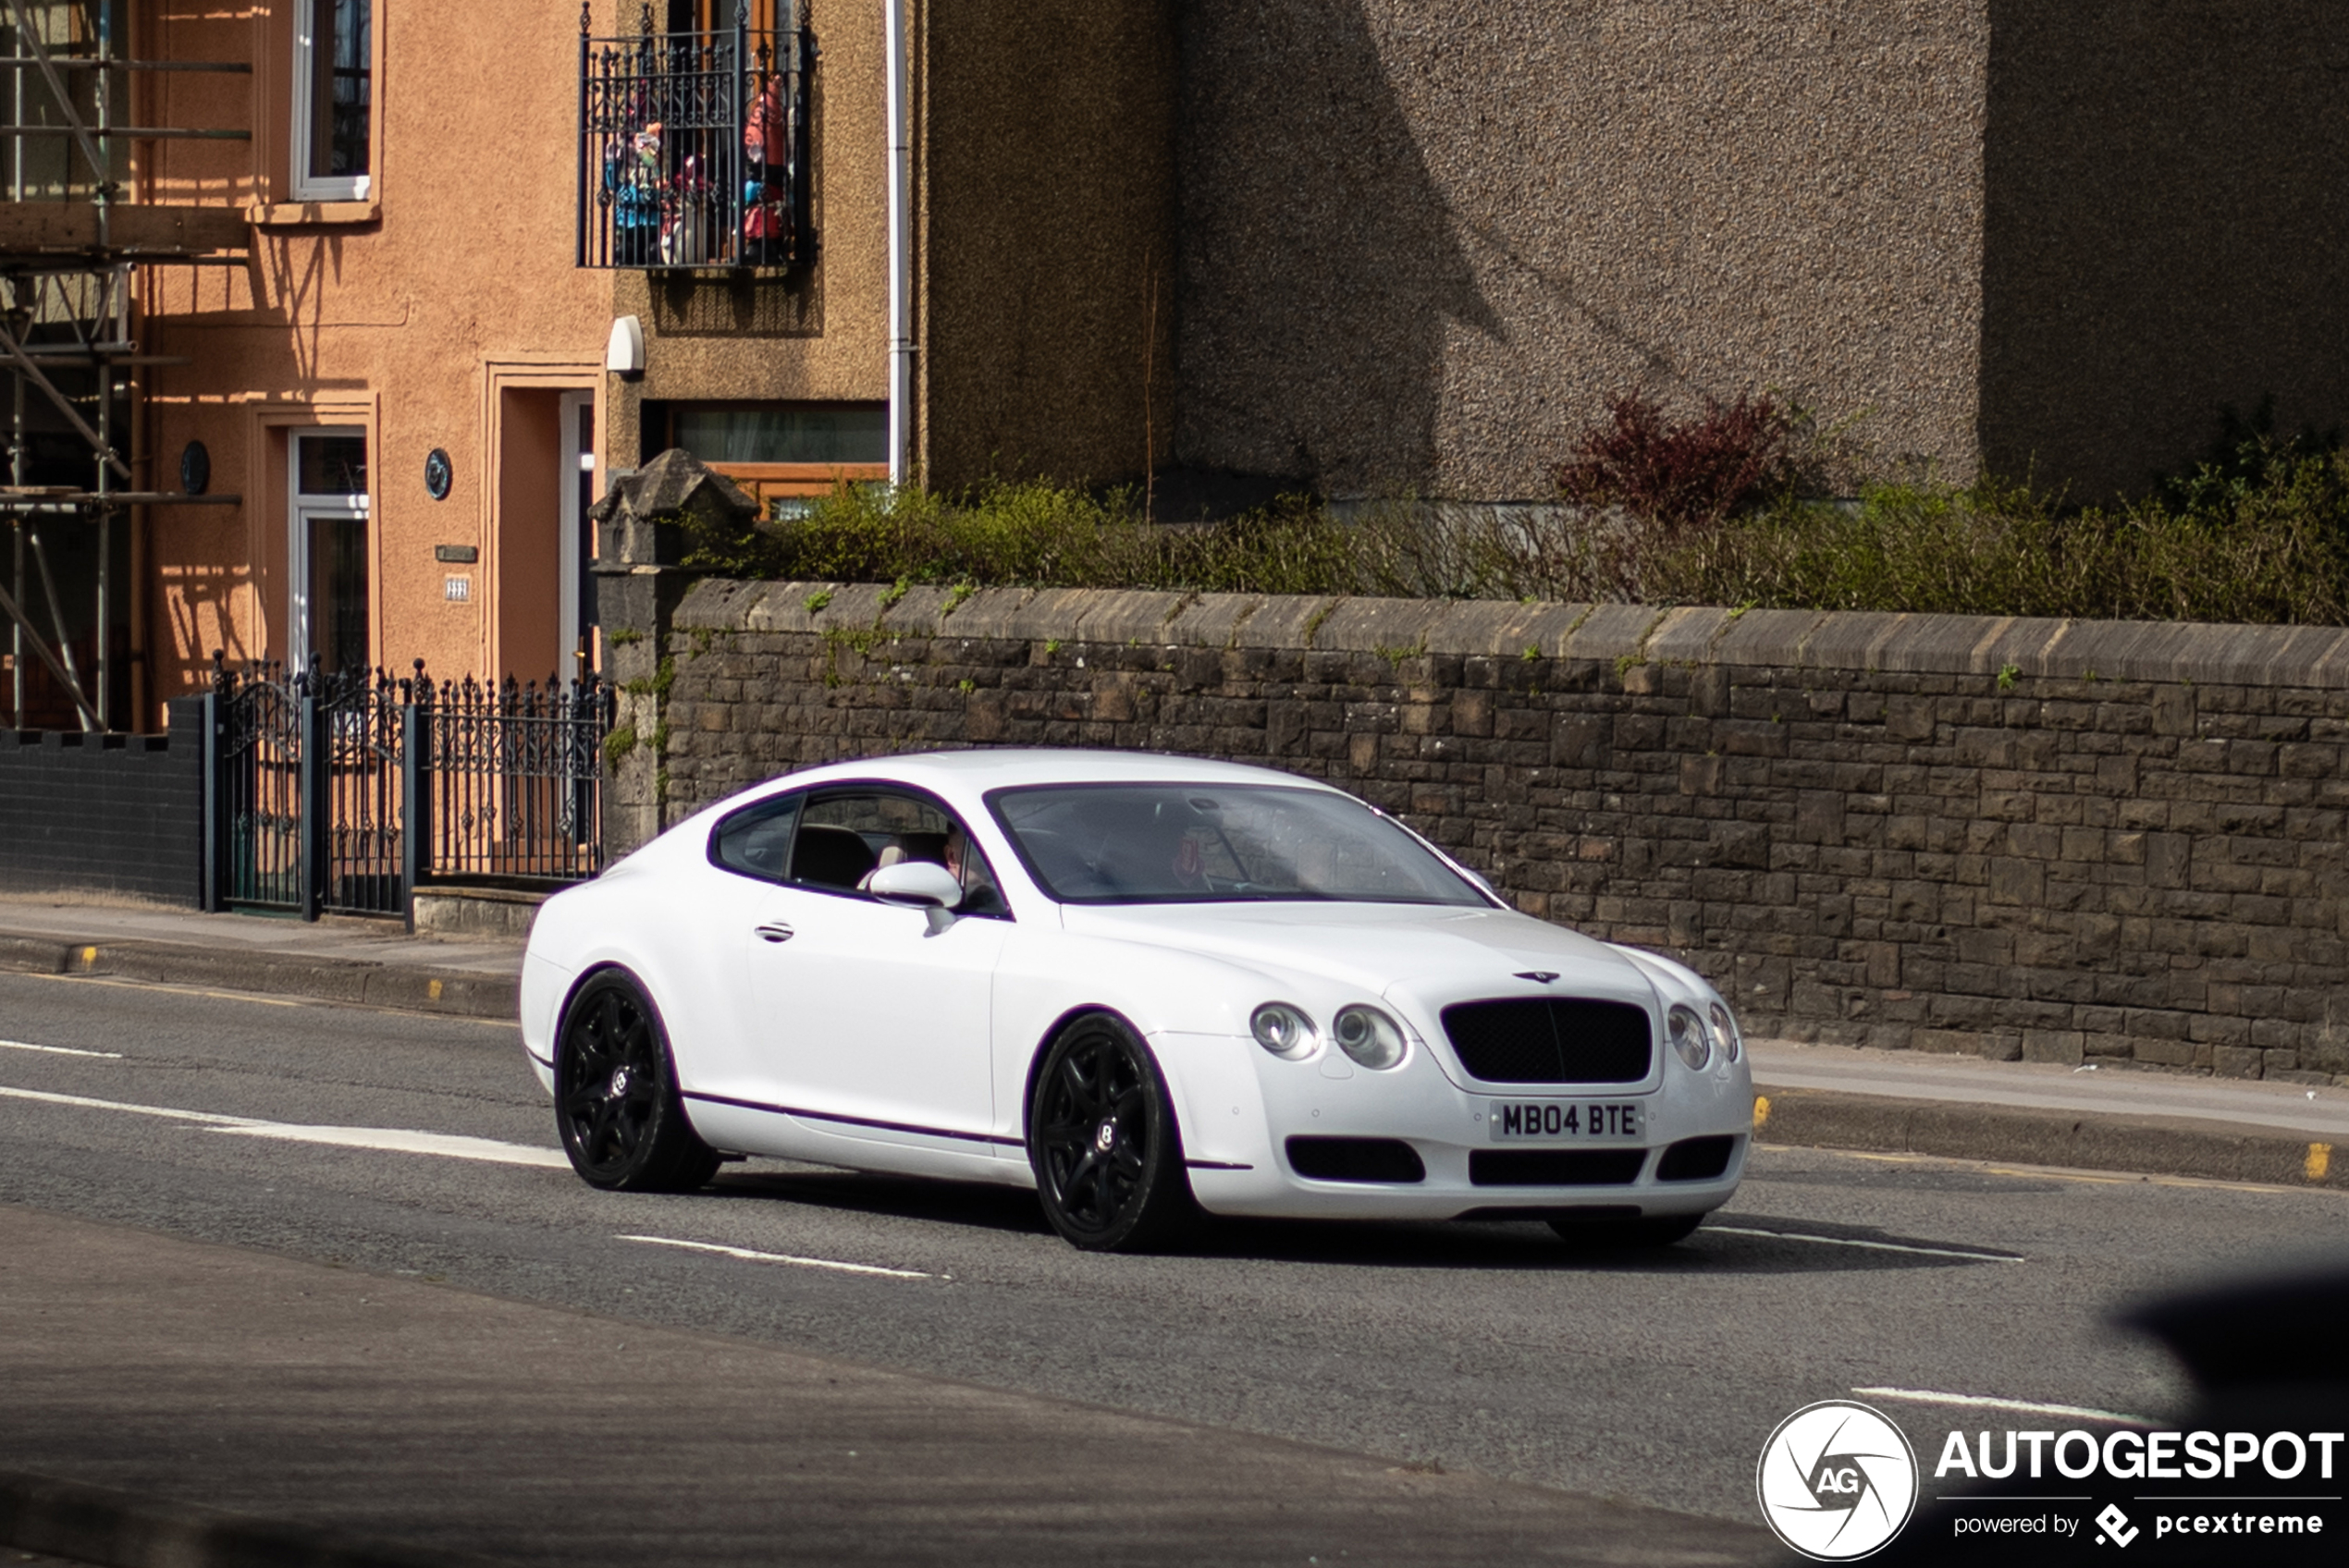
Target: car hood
1430,955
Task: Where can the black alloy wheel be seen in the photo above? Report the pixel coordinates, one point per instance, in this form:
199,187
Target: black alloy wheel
1102,1138
1623,1235
616,1100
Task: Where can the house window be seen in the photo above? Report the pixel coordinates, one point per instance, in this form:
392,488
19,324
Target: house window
328,551
781,433
334,94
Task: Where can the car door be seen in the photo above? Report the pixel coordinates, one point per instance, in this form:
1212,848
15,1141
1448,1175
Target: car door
867,1021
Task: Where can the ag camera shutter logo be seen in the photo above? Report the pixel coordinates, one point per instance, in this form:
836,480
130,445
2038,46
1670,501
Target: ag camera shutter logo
1837,1481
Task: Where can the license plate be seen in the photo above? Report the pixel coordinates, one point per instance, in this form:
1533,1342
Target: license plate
1564,1121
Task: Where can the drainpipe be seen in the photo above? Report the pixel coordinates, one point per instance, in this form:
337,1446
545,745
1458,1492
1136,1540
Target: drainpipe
900,244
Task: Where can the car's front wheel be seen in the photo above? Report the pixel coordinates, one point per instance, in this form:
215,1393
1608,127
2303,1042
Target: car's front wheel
1102,1140
616,1102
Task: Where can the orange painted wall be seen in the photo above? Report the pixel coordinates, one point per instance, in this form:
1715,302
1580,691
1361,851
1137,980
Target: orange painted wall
443,311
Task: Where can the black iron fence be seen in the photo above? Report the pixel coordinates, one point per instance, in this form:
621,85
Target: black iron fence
344,793
694,146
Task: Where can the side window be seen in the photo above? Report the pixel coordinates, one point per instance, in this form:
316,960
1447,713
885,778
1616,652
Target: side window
845,837
333,97
756,841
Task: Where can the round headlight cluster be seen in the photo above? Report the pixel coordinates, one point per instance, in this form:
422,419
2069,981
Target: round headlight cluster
1368,1035
1690,1039
1724,1033
1282,1029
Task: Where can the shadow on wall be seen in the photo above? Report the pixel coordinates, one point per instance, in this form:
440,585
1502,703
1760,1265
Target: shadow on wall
2167,188
1320,268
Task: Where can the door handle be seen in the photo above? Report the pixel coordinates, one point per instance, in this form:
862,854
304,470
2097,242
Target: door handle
775,931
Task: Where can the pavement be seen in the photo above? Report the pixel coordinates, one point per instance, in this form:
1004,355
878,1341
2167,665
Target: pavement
2104,1117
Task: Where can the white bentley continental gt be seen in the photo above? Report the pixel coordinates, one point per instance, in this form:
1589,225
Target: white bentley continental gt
1142,984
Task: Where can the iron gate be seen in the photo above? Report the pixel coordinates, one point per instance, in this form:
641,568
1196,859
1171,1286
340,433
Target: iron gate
342,794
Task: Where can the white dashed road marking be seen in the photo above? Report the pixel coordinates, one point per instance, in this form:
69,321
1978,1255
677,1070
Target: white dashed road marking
1855,1242
2028,1407
749,1256
393,1140
56,1050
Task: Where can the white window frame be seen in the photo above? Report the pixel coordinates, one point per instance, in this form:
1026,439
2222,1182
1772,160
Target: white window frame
306,186
578,455
301,510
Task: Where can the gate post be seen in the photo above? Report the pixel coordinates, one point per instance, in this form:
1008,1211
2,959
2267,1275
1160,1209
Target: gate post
208,897
416,806
314,805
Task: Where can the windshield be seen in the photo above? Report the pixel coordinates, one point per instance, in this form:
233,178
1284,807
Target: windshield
1173,843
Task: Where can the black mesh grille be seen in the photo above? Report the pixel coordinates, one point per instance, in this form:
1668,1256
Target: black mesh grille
1543,1040
1696,1159
1555,1167
1356,1159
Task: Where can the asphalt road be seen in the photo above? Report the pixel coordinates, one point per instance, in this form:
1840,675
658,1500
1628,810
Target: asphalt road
1496,1348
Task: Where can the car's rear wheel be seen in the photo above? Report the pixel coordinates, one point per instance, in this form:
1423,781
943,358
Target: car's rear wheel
1623,1235
1102,1140
616,1102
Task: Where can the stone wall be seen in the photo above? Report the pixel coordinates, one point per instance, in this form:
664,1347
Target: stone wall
2045,840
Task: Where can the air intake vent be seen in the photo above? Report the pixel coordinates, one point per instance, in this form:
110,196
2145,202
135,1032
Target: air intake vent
1545,1040
1356,1159
1556,1167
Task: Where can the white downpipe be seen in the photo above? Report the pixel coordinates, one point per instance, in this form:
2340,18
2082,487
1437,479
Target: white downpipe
900,244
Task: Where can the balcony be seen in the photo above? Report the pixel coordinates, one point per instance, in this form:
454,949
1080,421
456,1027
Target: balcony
692,148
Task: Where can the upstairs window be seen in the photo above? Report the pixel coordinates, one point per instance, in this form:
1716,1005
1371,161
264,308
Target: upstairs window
333,99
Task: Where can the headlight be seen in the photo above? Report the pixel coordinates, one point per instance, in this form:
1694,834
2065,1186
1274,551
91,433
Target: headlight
1368,1035
1688,1037
1282,1029
1724,1031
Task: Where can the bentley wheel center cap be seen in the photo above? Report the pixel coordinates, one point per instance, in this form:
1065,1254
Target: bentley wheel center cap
1105,1136
619,1082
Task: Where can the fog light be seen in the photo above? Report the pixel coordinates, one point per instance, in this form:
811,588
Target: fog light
1688,1036
1368,1035
1282,1029
1724,1031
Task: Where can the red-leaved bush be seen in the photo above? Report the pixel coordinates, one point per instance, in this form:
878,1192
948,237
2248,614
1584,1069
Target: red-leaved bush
1686,473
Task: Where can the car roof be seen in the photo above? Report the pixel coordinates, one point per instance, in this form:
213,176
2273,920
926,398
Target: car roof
985,768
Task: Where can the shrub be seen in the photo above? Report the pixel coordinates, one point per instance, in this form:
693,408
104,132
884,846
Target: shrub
1683,474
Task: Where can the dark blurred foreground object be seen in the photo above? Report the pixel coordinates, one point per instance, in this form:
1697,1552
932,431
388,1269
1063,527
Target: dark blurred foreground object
2267,1356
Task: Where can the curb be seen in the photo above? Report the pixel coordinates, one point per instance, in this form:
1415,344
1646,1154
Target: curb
2150,1146
122,1529
415,988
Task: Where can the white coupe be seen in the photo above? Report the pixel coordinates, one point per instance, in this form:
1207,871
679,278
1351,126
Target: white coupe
1143,985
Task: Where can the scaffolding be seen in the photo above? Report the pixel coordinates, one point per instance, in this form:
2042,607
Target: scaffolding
74,238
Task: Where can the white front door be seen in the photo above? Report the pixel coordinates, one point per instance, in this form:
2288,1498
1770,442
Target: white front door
577,485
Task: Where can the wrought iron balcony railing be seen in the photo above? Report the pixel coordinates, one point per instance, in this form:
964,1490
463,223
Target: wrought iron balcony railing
693,146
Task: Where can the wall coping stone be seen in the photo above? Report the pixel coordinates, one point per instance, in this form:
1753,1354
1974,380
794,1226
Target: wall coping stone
1904,643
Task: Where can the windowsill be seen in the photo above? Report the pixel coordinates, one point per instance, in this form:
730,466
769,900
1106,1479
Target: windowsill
292,215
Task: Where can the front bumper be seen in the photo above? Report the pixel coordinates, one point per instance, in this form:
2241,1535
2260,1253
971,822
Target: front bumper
1238,1106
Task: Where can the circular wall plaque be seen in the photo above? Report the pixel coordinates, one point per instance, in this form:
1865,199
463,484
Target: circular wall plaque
195,468
437,474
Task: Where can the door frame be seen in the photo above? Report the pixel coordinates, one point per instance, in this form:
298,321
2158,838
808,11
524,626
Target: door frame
499,378
301,509
575,414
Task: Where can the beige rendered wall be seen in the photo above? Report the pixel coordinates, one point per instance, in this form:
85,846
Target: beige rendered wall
819,334
1044,138
2168,200
1423,240
415,316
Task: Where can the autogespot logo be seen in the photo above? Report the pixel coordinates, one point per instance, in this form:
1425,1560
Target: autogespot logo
1836,1481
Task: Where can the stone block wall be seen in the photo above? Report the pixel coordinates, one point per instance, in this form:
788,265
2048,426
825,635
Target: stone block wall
2053,840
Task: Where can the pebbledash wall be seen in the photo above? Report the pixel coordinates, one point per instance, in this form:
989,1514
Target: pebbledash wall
2048,839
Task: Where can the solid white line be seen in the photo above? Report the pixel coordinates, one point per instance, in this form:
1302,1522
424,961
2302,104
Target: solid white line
1977,1402
56,1050
749,1256
1855,1242
395,1140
